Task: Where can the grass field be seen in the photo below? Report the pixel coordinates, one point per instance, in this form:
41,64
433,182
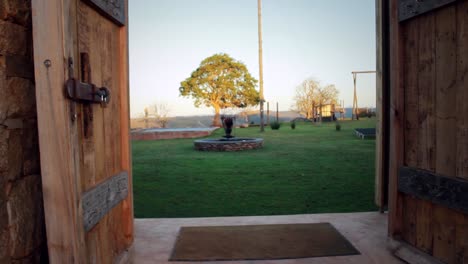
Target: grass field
312,169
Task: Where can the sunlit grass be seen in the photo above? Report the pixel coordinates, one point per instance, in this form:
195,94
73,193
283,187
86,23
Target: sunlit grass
312,169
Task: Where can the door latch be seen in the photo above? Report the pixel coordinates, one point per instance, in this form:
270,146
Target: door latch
86,92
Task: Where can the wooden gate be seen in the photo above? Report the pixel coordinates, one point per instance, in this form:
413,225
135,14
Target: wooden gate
429,126
81,71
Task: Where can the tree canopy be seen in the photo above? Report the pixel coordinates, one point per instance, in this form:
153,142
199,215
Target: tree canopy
221,82
310,94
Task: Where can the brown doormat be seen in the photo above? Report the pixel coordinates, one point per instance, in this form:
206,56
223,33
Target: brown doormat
255,242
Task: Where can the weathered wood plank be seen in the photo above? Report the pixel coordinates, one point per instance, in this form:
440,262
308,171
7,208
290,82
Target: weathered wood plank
411,97
427,95
462,90
446,191
60,180
426,122
98,201
410,8
444,234
446,145
396,152
424,227
461,240
126,157
106,45
411,140
446,90
410,205
461,243
93,163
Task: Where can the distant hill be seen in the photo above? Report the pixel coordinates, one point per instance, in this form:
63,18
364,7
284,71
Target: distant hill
206,120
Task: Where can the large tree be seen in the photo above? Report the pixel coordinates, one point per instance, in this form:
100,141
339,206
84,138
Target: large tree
305,99
221,82
311,95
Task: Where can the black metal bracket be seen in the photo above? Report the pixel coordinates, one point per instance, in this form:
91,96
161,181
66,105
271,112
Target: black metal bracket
114,10
408,9
86,92
446,191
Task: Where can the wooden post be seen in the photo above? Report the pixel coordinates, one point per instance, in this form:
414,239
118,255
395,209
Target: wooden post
344,111
355,106
268,113
355,114
396,108
277,114
260,63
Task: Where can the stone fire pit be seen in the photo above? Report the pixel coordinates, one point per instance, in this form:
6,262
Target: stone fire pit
228,144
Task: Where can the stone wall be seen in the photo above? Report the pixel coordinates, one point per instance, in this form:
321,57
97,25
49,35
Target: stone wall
237,144
136,135
22,228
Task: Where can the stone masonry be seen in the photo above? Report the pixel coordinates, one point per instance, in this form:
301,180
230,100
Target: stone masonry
22,227
211,145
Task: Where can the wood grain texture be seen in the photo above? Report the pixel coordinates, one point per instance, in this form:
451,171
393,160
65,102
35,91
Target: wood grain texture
56,131
126,157
103,41
85,159
462,91
435,130
426,123
396,122
446,145
411,141
411,98
461,243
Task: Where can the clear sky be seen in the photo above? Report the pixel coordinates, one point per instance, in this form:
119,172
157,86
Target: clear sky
323,39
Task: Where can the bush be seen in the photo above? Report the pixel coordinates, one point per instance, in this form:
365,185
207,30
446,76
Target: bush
338,126
275,125
293,125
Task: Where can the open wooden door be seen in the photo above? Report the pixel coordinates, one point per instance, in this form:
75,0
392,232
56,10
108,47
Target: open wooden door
81,72
429,127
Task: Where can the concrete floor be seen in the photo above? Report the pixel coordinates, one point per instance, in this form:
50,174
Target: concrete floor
154,238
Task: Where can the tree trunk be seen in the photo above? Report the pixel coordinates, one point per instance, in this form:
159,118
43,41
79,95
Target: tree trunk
217,119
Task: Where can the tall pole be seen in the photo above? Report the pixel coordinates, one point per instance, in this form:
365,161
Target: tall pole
355,111
260,63
277,112
268,113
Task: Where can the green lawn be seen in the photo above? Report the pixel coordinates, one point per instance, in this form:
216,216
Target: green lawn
312,169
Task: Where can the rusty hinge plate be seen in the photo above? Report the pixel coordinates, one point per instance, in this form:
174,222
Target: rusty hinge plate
112,9
411,8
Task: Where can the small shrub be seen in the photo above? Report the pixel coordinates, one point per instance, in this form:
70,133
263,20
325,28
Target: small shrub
293,125
338,126
275,125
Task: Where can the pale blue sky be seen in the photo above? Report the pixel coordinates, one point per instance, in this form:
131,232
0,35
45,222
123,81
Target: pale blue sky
324,39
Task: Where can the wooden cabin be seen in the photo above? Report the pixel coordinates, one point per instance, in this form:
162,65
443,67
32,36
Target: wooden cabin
59,159
326,112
